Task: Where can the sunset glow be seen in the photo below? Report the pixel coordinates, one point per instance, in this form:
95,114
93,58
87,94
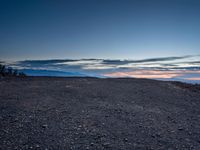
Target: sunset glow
152,74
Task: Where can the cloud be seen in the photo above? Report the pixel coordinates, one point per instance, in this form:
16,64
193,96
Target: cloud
95,64
119,62
165,67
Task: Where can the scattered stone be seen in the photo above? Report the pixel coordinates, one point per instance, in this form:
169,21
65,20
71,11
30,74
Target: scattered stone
37,146
125,139
91,144
188,140
106,144
44,126
158,134
180,128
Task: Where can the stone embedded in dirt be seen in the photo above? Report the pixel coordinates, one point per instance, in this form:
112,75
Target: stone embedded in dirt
16,119
180,128
91,144
187,139
125,139
20,125
44,126
158,134
106,144
37,146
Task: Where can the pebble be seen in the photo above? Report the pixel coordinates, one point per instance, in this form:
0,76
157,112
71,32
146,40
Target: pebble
37,146
106,144
92,144
44,125
125,139
180,128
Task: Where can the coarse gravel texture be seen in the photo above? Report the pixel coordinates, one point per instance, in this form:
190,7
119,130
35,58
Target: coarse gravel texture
50,113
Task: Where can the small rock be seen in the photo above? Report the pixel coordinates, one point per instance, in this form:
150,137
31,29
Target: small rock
16,119
37,146
180,128
172,131
188,140
125,139
44,126
91,144
106,144
20,125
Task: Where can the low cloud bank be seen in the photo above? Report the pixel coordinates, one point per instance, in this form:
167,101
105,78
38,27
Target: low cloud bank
181,68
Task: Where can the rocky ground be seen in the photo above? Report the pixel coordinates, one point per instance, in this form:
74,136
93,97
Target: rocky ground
88,113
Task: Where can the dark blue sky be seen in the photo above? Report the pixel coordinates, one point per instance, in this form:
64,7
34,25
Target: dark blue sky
112,29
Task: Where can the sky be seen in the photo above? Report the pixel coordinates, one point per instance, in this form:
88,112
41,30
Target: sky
157,39
99,29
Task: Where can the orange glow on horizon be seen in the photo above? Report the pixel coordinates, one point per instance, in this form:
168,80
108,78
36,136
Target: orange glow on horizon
152,74
197,78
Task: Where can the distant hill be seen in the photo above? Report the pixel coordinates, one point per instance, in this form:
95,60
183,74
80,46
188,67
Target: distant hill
31,72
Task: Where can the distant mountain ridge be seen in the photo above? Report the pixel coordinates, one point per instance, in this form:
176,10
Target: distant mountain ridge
32,72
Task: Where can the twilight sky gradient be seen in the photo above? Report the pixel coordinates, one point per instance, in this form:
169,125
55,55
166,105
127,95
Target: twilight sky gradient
106,29
158,39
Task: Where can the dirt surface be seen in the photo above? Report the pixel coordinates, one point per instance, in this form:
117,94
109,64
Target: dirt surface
87,113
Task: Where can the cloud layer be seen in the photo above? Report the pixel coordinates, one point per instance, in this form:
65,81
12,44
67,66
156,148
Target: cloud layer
180,68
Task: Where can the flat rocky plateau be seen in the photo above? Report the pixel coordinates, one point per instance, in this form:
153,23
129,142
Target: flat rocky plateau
50,113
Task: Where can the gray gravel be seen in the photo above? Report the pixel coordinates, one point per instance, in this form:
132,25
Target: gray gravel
88,113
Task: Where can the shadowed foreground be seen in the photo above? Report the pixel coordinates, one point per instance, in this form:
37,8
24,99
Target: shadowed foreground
89,113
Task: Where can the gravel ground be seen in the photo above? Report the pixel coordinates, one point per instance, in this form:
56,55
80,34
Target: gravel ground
88,113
